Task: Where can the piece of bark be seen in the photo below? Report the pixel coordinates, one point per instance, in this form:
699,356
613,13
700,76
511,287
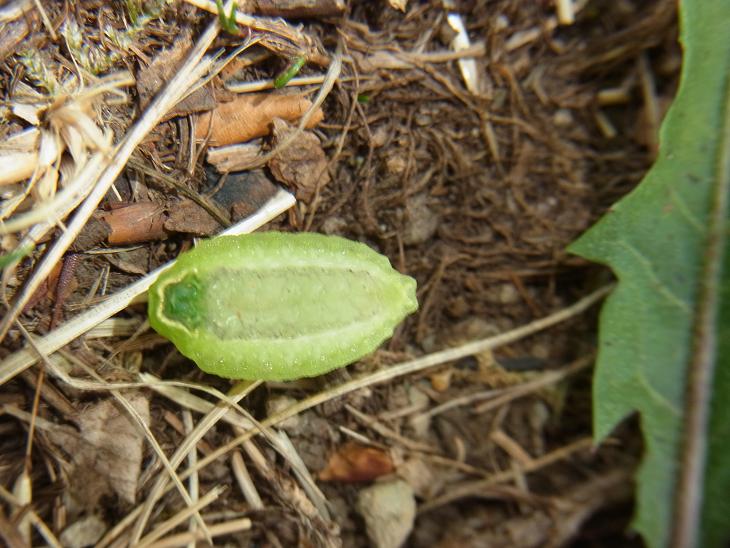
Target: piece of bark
302,165
250,116
243,193
94,233
296,9
135,223
234,157
187,216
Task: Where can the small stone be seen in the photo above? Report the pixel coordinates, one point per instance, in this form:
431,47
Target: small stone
85,532
563,117
279,403
396,164
508,294
334,225
422,221
389,510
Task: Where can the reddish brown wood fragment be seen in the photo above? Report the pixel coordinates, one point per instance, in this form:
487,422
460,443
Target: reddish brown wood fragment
354,462
250,116
135,223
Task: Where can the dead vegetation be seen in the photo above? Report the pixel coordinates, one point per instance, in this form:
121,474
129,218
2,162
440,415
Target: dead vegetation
470,142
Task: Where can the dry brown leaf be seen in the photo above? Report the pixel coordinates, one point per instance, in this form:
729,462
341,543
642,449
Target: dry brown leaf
106,453
303,165
250,116
187,216
153,78
354,462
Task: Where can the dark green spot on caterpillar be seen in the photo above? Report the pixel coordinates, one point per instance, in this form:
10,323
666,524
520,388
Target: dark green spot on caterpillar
278,306
183,302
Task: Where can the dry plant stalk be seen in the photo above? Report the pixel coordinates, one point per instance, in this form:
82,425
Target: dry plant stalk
234,157
19,156
381,376
63,123
250,116
277,35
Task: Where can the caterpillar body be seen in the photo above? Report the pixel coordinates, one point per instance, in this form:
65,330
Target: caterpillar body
279,306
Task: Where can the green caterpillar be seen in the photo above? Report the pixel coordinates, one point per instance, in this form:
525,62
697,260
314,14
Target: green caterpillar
279,306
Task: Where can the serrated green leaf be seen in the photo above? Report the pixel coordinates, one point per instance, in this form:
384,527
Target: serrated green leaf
667,242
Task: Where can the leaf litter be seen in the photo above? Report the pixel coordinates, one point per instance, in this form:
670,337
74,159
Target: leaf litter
476,193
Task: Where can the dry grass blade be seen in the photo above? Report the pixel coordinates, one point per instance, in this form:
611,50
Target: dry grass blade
68,124
186,400
274,26
287,449
245,483
52,211
13,10
193,480
242,420
383,376
130,409
19,154
474,488
237,393
418,364
498,398
220,529
177,519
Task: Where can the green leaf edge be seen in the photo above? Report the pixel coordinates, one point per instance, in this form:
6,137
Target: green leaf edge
672,181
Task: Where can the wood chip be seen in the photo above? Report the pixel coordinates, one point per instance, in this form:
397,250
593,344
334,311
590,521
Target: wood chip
250,116
354,462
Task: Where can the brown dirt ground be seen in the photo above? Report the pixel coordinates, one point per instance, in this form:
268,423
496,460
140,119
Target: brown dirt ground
476,197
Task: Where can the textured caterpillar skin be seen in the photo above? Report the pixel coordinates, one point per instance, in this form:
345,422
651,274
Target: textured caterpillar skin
279,306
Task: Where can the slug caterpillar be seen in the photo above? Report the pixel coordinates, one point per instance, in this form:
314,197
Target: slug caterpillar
279,306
